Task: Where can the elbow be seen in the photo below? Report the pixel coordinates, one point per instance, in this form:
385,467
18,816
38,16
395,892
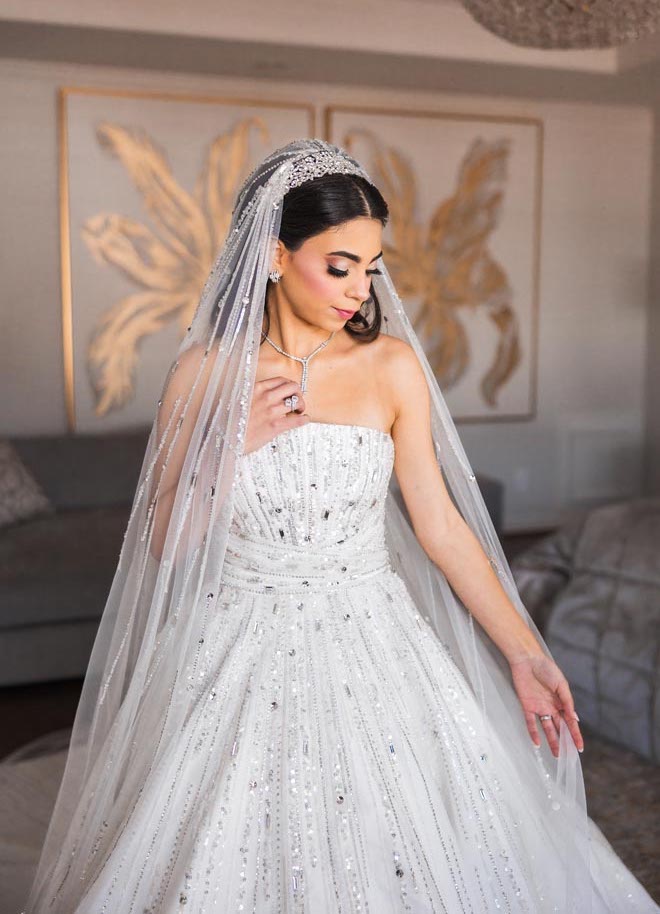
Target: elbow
435,534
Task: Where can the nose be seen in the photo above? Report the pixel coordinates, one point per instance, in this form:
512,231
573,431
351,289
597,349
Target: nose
361,290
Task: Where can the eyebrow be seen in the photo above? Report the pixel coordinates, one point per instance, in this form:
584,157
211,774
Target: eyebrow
354,256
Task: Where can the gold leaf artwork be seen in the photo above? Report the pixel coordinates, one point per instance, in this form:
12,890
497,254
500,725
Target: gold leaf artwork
447,264
169,263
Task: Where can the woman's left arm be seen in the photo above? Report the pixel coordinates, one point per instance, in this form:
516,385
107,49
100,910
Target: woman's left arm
453,547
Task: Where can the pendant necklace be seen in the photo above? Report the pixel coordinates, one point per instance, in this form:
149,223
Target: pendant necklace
303,359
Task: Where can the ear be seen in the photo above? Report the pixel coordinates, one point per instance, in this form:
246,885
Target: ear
277,262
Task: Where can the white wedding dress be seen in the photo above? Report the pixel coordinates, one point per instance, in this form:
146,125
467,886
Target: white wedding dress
335,760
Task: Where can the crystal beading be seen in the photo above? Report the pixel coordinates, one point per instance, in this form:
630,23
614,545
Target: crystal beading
327,159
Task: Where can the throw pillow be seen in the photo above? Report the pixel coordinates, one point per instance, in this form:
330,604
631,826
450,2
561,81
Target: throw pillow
21,496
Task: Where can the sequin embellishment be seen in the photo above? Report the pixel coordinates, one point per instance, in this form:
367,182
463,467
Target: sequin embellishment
334,750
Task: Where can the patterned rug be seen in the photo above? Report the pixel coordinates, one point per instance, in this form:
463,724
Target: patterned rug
623,798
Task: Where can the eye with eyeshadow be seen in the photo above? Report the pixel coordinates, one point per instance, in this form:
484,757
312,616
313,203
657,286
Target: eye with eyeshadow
333,271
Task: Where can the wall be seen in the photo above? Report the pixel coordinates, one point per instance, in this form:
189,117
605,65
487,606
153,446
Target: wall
442,29
652,449
587,437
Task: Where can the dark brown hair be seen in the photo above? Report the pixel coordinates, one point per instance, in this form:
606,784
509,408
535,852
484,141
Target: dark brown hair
324,203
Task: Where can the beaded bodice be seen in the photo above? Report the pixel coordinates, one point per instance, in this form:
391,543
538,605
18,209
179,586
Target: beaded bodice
309,505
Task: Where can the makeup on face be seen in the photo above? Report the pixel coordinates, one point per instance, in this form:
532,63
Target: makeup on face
344,315
336,271
333,270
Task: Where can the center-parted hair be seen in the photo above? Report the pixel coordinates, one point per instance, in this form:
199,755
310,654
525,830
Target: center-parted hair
324,203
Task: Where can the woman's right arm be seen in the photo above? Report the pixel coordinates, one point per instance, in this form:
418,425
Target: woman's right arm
169,463
267,418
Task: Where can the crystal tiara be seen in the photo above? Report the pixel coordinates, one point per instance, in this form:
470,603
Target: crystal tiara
315,158
325,160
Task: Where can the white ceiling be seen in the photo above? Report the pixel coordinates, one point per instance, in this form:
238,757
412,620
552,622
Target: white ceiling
439,29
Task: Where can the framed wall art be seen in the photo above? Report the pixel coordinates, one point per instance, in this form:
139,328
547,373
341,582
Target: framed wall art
462,244
147,184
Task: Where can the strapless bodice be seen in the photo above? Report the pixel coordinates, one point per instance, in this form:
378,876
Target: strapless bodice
309,505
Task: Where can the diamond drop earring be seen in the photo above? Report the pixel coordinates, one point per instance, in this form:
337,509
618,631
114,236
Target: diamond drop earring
274,275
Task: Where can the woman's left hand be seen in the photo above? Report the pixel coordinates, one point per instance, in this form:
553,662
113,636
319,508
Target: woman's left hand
542,689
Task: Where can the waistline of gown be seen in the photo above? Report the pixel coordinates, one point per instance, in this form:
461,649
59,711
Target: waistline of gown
266,566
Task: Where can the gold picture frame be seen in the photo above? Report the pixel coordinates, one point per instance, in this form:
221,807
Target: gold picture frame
443,260
118,313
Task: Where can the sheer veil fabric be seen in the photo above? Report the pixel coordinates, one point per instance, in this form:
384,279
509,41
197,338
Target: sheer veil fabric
138,689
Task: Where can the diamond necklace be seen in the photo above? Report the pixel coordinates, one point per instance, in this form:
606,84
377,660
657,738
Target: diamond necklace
303,359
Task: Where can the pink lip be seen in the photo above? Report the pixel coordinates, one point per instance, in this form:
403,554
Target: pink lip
345,314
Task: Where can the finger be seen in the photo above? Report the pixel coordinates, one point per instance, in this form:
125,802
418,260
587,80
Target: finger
279,387
267,384
551,731
295,419
574,730
570,716
530,719
282,395
281,408
293,405
565,698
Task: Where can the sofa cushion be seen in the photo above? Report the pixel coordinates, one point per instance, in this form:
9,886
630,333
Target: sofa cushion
85,471
21,496
603,617
59,568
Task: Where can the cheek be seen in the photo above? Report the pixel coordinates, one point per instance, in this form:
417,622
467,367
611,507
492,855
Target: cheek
318,282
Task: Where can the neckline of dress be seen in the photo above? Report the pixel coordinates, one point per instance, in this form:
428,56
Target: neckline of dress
362,428
347,425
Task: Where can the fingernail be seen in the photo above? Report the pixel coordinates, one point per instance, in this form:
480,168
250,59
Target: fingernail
581,750
575,715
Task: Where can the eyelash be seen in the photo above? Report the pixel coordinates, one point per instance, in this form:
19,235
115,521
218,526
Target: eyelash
333,271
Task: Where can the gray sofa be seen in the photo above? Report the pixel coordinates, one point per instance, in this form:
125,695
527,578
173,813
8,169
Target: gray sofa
56,571
593,589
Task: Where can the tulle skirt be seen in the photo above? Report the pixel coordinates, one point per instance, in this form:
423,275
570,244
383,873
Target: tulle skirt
336,761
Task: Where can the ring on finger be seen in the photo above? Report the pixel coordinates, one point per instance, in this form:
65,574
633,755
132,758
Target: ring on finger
290,402
545,716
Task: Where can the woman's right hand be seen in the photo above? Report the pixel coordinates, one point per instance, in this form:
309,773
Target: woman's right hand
269,415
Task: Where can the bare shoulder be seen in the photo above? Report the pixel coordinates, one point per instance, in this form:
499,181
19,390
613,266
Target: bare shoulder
400,371
391,355
383,356
191,360
189,372
397,353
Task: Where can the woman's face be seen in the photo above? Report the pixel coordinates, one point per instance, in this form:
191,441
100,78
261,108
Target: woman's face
329,277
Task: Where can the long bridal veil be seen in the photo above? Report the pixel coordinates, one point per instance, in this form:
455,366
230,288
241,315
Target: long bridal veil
139,689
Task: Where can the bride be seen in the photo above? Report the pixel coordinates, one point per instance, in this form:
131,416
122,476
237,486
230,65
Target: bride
302,698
